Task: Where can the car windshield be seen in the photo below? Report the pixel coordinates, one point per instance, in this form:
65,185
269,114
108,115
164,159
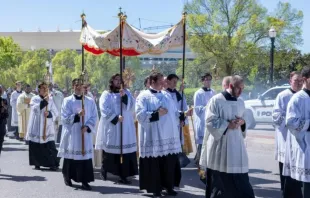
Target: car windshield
272,94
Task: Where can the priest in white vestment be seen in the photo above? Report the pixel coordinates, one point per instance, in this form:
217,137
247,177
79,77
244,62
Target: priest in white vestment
109,132
298,123
201,99
23,110
78,155
13,103
289,186
159,137
40,131
223,150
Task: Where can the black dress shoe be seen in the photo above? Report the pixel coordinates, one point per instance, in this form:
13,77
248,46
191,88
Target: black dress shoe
158,194
68,182
124,181
37,167
86,186
103,175
171,192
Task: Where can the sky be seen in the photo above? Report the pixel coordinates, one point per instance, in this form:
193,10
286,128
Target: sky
48,15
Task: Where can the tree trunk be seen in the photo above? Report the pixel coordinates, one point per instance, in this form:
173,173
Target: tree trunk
228,69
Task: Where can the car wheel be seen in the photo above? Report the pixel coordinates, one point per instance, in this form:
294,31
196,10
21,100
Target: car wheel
251,118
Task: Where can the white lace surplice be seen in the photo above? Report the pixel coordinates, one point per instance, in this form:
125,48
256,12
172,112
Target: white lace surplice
223,149
201,99
36,121
108,134
297,121
278,115
162,137
71,142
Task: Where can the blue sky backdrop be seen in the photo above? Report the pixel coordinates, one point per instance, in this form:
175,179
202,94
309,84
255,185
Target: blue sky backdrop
29,15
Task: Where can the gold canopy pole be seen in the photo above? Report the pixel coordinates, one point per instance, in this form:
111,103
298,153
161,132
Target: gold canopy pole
83,80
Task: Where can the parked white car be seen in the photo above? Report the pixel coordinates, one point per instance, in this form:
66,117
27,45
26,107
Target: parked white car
260,110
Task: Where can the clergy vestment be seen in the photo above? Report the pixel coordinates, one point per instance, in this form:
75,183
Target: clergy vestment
223,149
160,144
298,123
13,103
42,152
109,134
289,186
23,111
186,139
58,98
77,166
4,114
201,99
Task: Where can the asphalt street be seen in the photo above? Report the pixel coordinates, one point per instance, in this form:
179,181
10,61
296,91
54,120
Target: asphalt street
19,180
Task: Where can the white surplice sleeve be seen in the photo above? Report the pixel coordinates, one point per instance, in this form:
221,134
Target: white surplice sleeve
35,105
106,107
92,119
53,109
279,112
294,120
199,106
215,124
142,113
67,116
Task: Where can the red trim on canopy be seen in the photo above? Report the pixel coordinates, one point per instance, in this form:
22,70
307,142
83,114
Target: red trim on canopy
93,50
126,52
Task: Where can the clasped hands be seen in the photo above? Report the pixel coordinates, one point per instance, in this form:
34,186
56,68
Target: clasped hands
236,123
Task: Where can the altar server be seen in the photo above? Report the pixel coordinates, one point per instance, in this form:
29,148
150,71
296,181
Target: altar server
13,103
159,137
298,123
76,146
201,99
40,131
109,132
282,152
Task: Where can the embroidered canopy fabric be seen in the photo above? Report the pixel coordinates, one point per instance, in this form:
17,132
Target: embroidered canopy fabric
134,42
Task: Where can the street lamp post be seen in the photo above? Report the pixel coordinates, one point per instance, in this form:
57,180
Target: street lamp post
272,35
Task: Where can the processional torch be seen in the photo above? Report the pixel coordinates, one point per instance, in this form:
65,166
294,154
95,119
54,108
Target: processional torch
83,80
47,80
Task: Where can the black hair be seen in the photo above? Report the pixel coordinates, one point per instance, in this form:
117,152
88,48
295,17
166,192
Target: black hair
155,76
205,76
305,72
146,80
172,76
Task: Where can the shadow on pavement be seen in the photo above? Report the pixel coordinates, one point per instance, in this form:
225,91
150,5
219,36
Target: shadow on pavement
190,177
13,149
13,143
267,192
22,178
114,178
253,171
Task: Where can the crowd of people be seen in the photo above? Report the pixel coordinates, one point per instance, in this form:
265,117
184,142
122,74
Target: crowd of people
149,129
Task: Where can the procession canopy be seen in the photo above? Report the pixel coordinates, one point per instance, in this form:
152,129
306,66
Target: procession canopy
134,43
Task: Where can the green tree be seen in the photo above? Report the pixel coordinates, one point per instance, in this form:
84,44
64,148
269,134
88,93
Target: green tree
33,66
10,59
231,31
63,67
